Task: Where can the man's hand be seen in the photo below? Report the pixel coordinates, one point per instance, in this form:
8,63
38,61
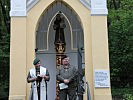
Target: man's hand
44,76
32,79
66,81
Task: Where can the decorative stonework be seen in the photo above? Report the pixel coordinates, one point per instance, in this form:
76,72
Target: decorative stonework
21,7
18,8
31,3
99,7
86,3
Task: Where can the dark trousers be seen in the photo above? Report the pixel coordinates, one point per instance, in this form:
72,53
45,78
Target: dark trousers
70,92
38,91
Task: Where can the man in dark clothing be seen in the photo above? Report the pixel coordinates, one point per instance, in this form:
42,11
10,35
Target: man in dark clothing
66,74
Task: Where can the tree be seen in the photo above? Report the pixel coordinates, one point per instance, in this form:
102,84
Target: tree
4,47
120,24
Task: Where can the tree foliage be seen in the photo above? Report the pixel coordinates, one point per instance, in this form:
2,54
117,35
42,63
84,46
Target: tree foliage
4,47
120,24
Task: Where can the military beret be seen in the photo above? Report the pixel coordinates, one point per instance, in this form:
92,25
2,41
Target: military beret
36,61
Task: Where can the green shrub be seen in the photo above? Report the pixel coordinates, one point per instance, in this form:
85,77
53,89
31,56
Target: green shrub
127,97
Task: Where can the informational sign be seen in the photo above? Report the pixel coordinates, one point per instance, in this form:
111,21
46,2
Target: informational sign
101,78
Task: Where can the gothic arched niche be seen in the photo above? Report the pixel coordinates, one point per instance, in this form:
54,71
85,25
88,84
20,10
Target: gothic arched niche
45,38
45,34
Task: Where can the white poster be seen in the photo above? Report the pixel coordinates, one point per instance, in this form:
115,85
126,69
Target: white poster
102,78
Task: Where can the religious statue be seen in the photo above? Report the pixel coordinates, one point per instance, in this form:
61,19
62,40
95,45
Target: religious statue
59,25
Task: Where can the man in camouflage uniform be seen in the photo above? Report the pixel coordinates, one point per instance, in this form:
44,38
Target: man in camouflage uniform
66,74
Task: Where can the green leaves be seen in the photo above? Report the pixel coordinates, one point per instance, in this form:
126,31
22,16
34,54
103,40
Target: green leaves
120,29
4,48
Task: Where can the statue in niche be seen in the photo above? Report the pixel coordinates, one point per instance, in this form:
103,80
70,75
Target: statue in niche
59,25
